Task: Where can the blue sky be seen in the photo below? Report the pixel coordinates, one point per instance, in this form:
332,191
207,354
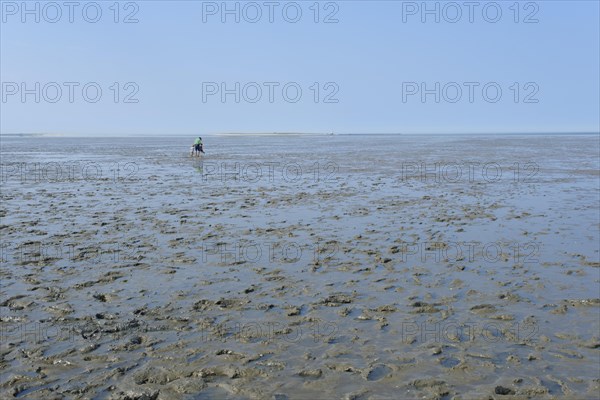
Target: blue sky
375,61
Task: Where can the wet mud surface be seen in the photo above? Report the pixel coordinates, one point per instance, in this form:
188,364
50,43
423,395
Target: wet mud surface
301,267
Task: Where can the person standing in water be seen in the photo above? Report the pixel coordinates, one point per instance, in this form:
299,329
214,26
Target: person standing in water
198,146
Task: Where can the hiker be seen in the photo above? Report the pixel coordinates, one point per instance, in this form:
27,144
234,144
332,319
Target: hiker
198,147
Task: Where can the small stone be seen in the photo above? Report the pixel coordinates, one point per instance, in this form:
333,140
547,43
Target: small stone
503,390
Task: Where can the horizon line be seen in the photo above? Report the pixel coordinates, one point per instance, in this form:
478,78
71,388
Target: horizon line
97,135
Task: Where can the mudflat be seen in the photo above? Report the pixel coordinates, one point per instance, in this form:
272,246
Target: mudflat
301,267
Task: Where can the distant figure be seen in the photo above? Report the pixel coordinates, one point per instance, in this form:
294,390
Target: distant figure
198,147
